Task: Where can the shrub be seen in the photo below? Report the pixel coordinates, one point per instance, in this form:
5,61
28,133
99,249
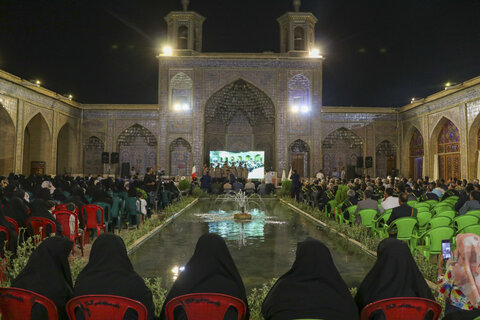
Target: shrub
144,194
199,193
286,188
341,194
184,185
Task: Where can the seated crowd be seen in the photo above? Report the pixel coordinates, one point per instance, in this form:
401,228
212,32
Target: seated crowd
312,289
24,198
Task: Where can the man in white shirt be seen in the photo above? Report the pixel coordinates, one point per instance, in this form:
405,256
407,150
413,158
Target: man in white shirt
389,202
320,175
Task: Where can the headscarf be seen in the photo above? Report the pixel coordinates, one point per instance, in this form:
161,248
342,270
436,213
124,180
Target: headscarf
312,288
12,243
210,270
109,271
17,210
48,273
466,268
394,274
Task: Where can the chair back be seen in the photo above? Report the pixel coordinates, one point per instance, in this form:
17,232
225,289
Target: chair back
404,308
63,217
12,221
64,207
423,217
463,221
205,306
412,203
436,236
405,227
39,226
423,209
368,216
471,229
104,307
446,213
89,214
419,205
17,304
475,213
436,222
432,202
441,208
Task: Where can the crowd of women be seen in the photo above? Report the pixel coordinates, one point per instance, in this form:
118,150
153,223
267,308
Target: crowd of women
313,288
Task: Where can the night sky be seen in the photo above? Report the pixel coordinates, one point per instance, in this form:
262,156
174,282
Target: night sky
378,52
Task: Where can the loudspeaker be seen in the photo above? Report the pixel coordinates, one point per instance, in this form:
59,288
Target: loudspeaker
105,157
368,162
125,172
359,162
115,157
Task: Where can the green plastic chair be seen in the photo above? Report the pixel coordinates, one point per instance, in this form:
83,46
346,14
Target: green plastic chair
475,213
132,210
475,229
436,222
379,224
351,211
107,213
368,217
442,208
329,208
423,209
420,205
117,211
412,203
405,230
431,202
423,217
431,241
449,213
463,221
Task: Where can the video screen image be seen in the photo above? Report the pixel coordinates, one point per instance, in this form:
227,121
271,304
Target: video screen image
255,161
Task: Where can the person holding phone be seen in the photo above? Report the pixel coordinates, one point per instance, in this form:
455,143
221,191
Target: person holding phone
460,282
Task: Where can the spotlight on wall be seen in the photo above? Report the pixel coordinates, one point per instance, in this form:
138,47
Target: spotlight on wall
304,109
185,107
167,51
412,100
38,82
315,53
70,97
177,107
295,108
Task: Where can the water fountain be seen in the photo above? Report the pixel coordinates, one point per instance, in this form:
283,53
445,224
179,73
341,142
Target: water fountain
243,202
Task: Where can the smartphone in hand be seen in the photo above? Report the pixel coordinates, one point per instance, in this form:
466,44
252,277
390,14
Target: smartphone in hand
446,249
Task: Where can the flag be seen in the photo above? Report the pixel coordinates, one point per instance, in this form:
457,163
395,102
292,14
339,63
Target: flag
194,173
290,174
283,175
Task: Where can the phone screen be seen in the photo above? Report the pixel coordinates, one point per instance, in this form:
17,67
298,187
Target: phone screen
446,252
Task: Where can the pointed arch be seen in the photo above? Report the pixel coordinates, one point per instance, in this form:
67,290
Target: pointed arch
92,155
299,154
385,153
138,147
341,148
416,152
37,146
181,86
180,157
66,144
445,144
474,147
7,142
299,91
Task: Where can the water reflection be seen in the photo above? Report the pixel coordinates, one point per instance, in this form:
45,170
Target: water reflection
262,249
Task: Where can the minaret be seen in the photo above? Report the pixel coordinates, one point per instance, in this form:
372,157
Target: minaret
297,31
185,30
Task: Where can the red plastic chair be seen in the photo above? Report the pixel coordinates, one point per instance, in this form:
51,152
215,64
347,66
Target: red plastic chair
403,308
39,226
63,207
17,304
63,217
15,224
99,306
89,214
206,306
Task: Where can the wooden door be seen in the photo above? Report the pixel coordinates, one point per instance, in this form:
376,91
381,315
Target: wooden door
298,163
449,166
418,168
390,165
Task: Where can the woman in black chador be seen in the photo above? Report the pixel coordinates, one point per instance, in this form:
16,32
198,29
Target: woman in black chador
210,270
395,274
48,273
312,288
109,271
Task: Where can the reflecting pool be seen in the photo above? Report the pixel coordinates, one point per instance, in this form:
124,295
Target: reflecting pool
262,249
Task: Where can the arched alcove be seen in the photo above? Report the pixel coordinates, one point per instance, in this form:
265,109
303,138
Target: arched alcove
180,157
446,146
299,39
66,144
138,147
386,153
37,150
416,153
182,38
7,142
299,154
341,149
240,117
92,156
